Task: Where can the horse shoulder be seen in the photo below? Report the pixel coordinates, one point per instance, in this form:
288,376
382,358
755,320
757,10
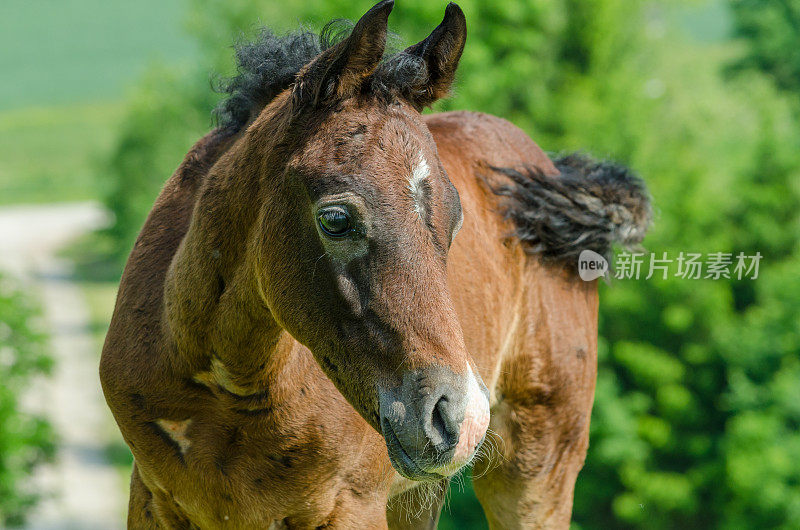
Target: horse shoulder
133,354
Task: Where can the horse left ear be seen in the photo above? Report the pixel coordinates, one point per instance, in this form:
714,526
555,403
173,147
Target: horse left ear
441,51
341,69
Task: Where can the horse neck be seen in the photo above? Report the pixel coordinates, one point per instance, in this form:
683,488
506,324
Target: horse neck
223,332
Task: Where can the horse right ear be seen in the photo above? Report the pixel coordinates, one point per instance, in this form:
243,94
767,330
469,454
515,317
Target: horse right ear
341,70
440,51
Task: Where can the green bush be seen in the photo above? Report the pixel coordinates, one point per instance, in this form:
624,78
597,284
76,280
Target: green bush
25,441
168,112
770,28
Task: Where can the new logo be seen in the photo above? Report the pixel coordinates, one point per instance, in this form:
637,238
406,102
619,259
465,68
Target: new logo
591,265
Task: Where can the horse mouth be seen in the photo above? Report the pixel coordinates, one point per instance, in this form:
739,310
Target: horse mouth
401,460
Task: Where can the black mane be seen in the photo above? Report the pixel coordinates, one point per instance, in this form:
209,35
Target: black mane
591,205
268,65
265,67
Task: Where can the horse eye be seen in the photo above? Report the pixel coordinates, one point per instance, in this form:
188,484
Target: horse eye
335,222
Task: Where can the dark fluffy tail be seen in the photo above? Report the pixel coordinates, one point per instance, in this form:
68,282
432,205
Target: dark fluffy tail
590,205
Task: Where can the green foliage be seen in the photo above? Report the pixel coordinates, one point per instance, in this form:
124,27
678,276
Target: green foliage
25,441
696,413
168,113
771,30
677,439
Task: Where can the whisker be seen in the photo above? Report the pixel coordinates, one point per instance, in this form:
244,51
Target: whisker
314,270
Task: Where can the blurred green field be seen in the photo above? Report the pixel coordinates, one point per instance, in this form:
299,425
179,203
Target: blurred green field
50,153
64,52
67,67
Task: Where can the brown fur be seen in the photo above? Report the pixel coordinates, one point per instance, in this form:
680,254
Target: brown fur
204,341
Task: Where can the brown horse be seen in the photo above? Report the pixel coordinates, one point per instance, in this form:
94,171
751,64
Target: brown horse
300,339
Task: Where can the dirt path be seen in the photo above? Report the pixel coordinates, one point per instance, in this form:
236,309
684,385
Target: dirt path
83,491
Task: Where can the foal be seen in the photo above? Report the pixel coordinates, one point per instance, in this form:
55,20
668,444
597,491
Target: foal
300,338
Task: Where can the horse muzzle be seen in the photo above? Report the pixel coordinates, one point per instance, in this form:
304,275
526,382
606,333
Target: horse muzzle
434,421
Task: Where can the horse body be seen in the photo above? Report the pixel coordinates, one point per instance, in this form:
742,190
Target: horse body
244,409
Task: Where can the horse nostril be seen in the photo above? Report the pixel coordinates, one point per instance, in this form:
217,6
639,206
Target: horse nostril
444,425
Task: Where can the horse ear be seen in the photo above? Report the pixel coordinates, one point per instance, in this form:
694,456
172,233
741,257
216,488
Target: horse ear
341,69
440,51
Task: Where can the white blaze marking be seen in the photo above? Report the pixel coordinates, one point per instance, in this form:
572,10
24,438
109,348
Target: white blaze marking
418,175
